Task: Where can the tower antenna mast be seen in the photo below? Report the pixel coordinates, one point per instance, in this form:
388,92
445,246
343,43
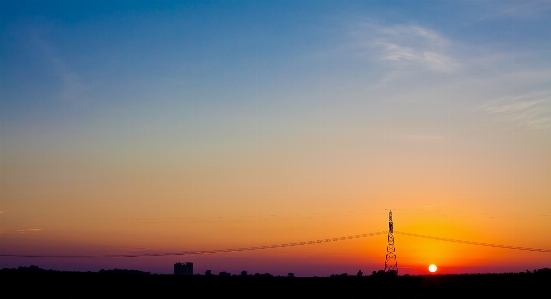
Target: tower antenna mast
391,265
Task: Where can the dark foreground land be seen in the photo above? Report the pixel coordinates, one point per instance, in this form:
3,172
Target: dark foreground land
78,284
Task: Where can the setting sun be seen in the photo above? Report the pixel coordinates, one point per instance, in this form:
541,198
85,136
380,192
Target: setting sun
432,268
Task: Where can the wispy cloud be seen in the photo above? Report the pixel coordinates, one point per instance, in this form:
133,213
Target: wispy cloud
73,89
515,9
404,45
26,230
22,230
432,205
421,137
531,110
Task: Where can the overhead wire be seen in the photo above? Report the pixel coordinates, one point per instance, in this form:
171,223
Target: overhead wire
472,242
283,245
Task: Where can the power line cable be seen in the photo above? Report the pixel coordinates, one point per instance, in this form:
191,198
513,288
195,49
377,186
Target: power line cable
473,242
293,244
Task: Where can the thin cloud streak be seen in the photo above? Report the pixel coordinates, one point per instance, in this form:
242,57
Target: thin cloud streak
523,10
419,137
404,45
21,231
26,230
530,110
73,89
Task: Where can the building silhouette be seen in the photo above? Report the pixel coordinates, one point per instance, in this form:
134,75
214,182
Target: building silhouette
183,268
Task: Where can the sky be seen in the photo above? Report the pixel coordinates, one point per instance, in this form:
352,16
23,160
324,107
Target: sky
136,127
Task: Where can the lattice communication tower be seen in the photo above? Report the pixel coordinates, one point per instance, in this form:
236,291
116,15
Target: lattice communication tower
391,265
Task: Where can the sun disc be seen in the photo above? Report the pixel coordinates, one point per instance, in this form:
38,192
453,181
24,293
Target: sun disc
432,268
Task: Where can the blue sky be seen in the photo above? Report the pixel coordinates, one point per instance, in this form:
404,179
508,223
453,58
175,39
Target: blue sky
74,58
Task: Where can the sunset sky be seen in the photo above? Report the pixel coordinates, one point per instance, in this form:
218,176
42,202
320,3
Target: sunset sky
132,127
